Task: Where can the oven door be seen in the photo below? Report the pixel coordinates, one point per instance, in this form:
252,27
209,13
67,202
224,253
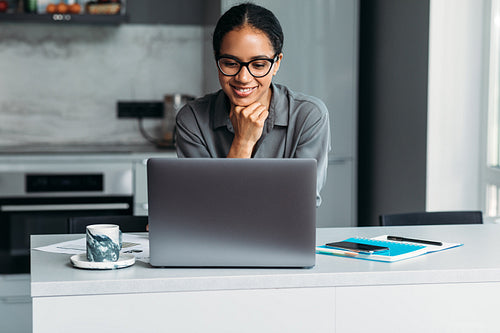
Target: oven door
22,217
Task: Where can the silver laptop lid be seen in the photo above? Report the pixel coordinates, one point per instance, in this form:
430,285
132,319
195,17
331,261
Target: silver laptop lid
232,212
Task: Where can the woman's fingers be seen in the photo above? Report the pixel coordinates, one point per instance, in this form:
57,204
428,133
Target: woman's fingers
248,124
253,112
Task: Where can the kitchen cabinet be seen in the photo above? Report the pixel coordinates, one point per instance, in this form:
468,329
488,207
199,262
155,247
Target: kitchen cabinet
179,12
15,303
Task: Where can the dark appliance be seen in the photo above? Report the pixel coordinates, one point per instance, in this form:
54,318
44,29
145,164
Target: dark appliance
41,202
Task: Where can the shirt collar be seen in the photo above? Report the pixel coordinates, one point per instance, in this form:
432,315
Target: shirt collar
221,111
278,102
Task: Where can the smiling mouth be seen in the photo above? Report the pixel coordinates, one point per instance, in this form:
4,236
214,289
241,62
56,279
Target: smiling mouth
243,92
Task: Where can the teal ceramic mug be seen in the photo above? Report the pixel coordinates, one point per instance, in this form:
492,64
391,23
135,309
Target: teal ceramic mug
104,242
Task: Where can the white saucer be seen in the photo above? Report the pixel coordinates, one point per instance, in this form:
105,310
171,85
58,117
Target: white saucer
80,261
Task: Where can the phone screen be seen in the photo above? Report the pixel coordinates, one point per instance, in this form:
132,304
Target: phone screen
357,247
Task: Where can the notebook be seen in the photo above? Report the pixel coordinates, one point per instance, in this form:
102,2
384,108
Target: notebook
210,212
397,250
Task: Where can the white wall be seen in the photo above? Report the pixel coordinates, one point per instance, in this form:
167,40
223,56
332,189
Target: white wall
59,84
454,104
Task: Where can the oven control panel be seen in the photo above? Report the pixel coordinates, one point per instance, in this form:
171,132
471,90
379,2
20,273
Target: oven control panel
68,179
64,183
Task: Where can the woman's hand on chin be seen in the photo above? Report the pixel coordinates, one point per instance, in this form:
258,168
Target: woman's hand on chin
248,123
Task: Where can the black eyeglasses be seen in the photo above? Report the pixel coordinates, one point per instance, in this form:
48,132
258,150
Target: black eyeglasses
260,67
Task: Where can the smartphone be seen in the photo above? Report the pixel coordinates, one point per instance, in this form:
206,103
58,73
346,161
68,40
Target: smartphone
357,247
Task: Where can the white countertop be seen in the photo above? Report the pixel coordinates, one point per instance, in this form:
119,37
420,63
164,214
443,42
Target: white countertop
105,148
74,154
476,261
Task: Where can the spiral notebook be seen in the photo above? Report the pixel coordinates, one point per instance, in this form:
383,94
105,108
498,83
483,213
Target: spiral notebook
397,250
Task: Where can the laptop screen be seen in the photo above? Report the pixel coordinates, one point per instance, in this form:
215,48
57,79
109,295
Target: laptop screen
232,212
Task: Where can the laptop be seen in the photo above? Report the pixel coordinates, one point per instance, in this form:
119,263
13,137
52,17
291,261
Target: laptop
218,212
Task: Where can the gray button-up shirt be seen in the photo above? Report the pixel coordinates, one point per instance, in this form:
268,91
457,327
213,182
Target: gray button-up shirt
297,127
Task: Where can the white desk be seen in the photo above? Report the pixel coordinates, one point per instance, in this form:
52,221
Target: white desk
457,290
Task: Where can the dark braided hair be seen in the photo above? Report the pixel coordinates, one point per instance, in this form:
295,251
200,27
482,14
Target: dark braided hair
254,16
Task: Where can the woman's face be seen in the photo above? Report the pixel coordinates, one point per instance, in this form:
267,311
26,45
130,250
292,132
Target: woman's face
245,44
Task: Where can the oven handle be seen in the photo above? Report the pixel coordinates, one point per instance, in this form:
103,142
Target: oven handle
33,208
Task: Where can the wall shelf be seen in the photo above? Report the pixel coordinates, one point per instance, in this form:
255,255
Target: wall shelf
63,18
172,12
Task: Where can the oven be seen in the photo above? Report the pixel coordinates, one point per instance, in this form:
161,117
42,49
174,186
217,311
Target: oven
40,201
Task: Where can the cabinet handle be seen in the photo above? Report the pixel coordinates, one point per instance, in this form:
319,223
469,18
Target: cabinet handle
16,299
31,208
339,160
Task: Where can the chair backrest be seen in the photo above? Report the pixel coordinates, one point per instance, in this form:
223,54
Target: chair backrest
432,218
127,223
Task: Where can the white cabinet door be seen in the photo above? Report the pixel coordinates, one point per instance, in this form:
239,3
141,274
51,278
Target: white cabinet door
439,308
263,310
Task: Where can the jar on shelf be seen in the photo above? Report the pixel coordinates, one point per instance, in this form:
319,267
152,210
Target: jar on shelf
30,6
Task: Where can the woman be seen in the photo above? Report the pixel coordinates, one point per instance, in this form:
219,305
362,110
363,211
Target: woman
251,116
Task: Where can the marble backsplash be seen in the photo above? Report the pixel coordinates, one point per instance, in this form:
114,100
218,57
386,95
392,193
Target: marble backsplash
59,84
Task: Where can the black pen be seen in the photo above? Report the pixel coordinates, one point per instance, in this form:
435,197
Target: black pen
412,240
